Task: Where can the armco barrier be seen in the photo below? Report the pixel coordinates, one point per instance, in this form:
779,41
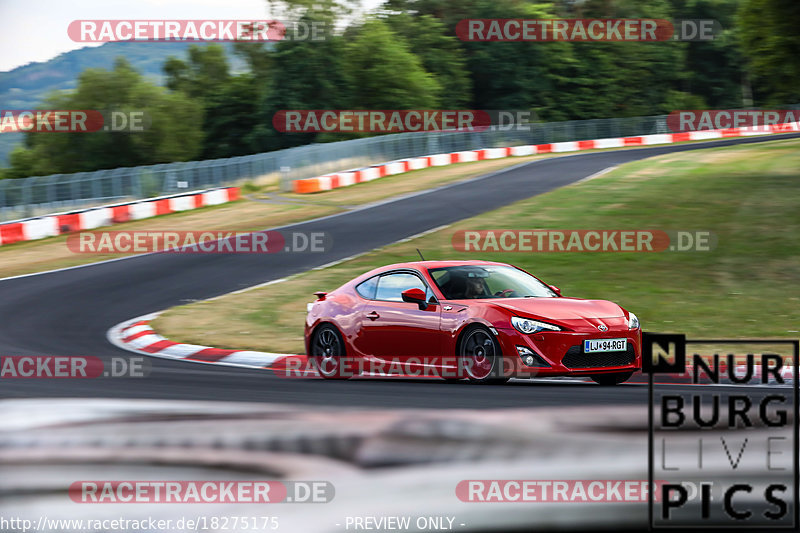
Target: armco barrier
60,223
360,175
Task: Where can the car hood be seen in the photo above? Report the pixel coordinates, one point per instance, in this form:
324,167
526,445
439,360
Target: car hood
562,308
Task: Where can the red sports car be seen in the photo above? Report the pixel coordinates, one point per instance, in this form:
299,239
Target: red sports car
479,320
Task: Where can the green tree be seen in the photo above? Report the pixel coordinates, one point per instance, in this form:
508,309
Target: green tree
325,11
441,54
173,134
304,74
383,73
230,103
713,69
520,75
569,80
230,118
258,57
622,79
771,43
205,71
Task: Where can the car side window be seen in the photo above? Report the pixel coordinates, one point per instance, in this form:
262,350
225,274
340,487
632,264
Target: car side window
366,289
391,286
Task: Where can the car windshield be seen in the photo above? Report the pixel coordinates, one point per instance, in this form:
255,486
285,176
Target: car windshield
468,282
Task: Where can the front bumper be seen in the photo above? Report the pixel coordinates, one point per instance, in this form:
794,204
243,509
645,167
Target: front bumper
560,353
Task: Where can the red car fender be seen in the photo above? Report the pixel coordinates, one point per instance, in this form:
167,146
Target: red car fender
335,309
488,316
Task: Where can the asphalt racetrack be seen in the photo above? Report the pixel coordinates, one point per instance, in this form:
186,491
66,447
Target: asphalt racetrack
68,312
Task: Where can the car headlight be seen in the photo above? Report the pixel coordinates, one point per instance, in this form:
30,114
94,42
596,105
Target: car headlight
309,307
526,325
633,321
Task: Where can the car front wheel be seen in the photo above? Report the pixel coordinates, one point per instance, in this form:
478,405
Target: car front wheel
480,356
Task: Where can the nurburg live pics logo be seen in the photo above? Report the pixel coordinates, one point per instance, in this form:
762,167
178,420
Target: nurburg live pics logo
727,456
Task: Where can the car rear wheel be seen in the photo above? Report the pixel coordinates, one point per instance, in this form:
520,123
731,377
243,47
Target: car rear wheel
327,352
480,356
612,379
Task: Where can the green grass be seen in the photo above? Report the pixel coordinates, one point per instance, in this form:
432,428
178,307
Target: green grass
747,286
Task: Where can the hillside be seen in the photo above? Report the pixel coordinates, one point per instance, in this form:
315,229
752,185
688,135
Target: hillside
26,86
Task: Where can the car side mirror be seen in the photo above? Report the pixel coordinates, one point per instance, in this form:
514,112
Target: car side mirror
555,289
414,296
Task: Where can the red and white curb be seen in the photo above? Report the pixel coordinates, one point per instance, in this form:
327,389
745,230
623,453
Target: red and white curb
360,175
108,215
136,335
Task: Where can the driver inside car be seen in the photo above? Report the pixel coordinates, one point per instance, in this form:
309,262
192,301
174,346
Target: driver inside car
476,288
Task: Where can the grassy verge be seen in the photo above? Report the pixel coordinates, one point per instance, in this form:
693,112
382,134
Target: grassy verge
261,208
745,287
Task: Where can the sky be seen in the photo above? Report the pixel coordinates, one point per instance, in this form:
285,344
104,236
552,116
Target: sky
36,30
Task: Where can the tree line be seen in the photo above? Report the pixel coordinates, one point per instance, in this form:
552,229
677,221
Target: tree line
406,55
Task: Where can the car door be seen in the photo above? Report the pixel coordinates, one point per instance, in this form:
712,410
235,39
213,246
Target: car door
394,330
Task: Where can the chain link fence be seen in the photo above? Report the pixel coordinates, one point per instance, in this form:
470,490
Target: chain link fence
28,197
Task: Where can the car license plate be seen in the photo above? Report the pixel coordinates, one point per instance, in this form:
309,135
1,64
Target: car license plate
605,345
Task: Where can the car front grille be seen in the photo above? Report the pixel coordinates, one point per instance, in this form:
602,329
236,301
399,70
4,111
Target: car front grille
576,358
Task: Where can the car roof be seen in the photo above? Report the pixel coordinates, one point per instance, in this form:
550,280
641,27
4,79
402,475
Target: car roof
438,264
420,265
